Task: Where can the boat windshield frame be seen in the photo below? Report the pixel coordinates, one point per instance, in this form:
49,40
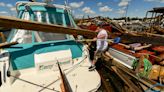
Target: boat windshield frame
57,16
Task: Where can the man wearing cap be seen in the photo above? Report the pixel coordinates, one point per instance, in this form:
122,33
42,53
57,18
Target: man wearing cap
102,45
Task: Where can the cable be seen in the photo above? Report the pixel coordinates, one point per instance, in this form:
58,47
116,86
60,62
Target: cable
34,83
75,66
46,87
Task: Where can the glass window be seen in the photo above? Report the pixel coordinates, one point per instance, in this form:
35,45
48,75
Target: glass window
20,35
52,18
59,19
49,18
43,17
51,36
27,38
68,22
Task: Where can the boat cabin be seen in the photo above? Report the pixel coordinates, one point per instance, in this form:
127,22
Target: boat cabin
36,56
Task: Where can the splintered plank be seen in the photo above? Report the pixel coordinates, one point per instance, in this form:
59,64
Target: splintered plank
154,40
11,22
113,78
6,44
130,84
107,86
154,73
130,72
161,76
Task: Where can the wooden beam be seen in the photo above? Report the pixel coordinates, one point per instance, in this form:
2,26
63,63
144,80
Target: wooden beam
65,86
11,22
6,44
2,37
142,80
104,83
154,40
130,84
130,72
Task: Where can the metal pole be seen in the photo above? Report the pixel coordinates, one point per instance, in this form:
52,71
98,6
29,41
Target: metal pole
155,19
151,25
126,13
144,19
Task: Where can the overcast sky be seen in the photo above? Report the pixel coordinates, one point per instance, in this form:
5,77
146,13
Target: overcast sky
106,8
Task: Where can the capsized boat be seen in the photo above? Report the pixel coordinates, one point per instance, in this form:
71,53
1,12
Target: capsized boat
31,65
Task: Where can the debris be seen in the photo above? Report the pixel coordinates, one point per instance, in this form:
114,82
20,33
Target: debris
154,74
161,75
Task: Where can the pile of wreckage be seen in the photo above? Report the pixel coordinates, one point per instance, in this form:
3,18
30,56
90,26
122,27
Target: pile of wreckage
156,21
141,52
147,46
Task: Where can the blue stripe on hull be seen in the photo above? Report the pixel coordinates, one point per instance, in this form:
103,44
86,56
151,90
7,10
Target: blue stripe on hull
22,55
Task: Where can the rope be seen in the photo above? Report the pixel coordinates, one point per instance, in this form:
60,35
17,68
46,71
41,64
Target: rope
34,84
67,72
46,87
91,40
9,74
75,66
157,84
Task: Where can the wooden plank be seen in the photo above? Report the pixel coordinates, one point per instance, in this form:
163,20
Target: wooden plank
130,84
105,84
11,22
154,40
2,36
92,40
115,82
142,80
6,44
154,73
161,76
65,86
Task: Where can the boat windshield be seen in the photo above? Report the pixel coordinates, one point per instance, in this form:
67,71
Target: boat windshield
52,17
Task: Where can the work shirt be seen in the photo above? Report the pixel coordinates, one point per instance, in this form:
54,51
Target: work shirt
102,44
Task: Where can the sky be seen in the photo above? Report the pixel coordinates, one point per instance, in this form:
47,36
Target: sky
105,8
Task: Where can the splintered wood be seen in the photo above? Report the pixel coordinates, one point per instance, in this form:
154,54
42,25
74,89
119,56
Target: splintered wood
130,84
161,75
10,22
154,72
157,72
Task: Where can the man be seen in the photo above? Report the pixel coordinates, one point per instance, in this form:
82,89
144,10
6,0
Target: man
101,45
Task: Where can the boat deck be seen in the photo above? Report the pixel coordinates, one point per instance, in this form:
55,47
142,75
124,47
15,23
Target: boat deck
80,79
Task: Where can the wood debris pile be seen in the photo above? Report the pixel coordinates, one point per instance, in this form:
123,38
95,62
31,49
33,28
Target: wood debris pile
152,50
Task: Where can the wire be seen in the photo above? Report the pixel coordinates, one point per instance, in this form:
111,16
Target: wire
75,66
34,83
46,87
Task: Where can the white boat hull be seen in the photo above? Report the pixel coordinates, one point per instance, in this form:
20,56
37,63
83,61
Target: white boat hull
80,80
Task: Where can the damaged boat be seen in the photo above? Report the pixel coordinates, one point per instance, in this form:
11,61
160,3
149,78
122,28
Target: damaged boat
32,65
